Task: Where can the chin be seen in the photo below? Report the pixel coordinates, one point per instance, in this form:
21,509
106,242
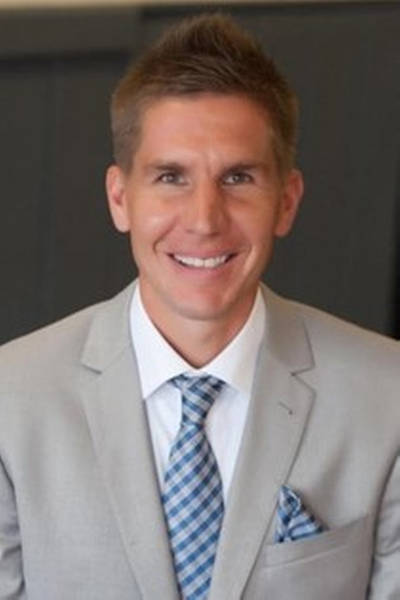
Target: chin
205,311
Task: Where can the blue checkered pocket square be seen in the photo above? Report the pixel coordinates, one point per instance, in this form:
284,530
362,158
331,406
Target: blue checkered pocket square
294,521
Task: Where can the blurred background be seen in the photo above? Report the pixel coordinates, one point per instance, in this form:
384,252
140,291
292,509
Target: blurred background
59,62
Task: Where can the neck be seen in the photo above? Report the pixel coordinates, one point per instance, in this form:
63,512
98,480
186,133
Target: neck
198,342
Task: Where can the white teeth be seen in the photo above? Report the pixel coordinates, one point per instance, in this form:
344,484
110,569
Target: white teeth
201,263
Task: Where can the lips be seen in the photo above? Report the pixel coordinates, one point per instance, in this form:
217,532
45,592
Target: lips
195,262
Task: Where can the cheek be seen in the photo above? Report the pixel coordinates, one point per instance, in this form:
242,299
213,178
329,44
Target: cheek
258,227
150,225
260,236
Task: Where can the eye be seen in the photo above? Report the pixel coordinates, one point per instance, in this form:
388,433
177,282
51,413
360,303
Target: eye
237,178
171,177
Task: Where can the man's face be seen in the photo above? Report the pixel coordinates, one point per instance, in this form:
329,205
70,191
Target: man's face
203,203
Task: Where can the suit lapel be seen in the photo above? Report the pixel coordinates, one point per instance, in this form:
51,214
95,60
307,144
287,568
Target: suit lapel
117,420
277,417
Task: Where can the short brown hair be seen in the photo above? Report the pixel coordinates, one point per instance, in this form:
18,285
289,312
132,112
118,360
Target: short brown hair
206,53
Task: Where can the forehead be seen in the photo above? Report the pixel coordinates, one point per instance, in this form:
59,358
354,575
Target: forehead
201,119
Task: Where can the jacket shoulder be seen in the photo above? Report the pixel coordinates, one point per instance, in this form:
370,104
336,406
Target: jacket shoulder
60,344
342,344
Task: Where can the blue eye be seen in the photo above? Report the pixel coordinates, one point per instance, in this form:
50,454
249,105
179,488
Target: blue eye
238,178
171,177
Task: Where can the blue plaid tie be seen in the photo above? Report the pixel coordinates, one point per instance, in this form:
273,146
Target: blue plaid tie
192,498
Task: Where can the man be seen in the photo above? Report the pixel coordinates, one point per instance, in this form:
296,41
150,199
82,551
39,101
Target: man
293,416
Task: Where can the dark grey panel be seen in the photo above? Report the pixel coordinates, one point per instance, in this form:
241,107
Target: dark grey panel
85,254
22,194
30,33
58,250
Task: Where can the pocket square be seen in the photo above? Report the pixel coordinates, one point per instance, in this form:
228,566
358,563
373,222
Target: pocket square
294,520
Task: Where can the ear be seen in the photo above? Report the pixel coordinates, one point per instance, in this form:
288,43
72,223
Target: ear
117,198
292,193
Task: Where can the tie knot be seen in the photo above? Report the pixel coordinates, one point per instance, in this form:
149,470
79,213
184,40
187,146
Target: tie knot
198,395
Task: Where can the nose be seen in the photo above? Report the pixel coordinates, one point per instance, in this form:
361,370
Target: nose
205,210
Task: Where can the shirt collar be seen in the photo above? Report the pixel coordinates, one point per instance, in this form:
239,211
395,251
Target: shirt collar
158,361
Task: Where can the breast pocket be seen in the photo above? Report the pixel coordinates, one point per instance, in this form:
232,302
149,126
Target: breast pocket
331,566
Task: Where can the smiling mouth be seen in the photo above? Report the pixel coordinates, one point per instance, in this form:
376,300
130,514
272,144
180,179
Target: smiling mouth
202,263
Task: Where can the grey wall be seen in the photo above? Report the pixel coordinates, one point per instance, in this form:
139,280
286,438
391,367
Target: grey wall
58,251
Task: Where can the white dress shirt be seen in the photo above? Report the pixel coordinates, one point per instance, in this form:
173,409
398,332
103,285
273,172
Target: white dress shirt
158,362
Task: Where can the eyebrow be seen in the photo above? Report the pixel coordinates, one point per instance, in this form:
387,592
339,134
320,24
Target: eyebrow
245,166
164,166
265,167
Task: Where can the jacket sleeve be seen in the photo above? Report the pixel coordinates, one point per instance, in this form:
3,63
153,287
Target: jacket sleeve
385,579
11,571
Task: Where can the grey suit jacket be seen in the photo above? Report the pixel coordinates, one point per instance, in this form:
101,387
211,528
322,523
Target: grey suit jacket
80,514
